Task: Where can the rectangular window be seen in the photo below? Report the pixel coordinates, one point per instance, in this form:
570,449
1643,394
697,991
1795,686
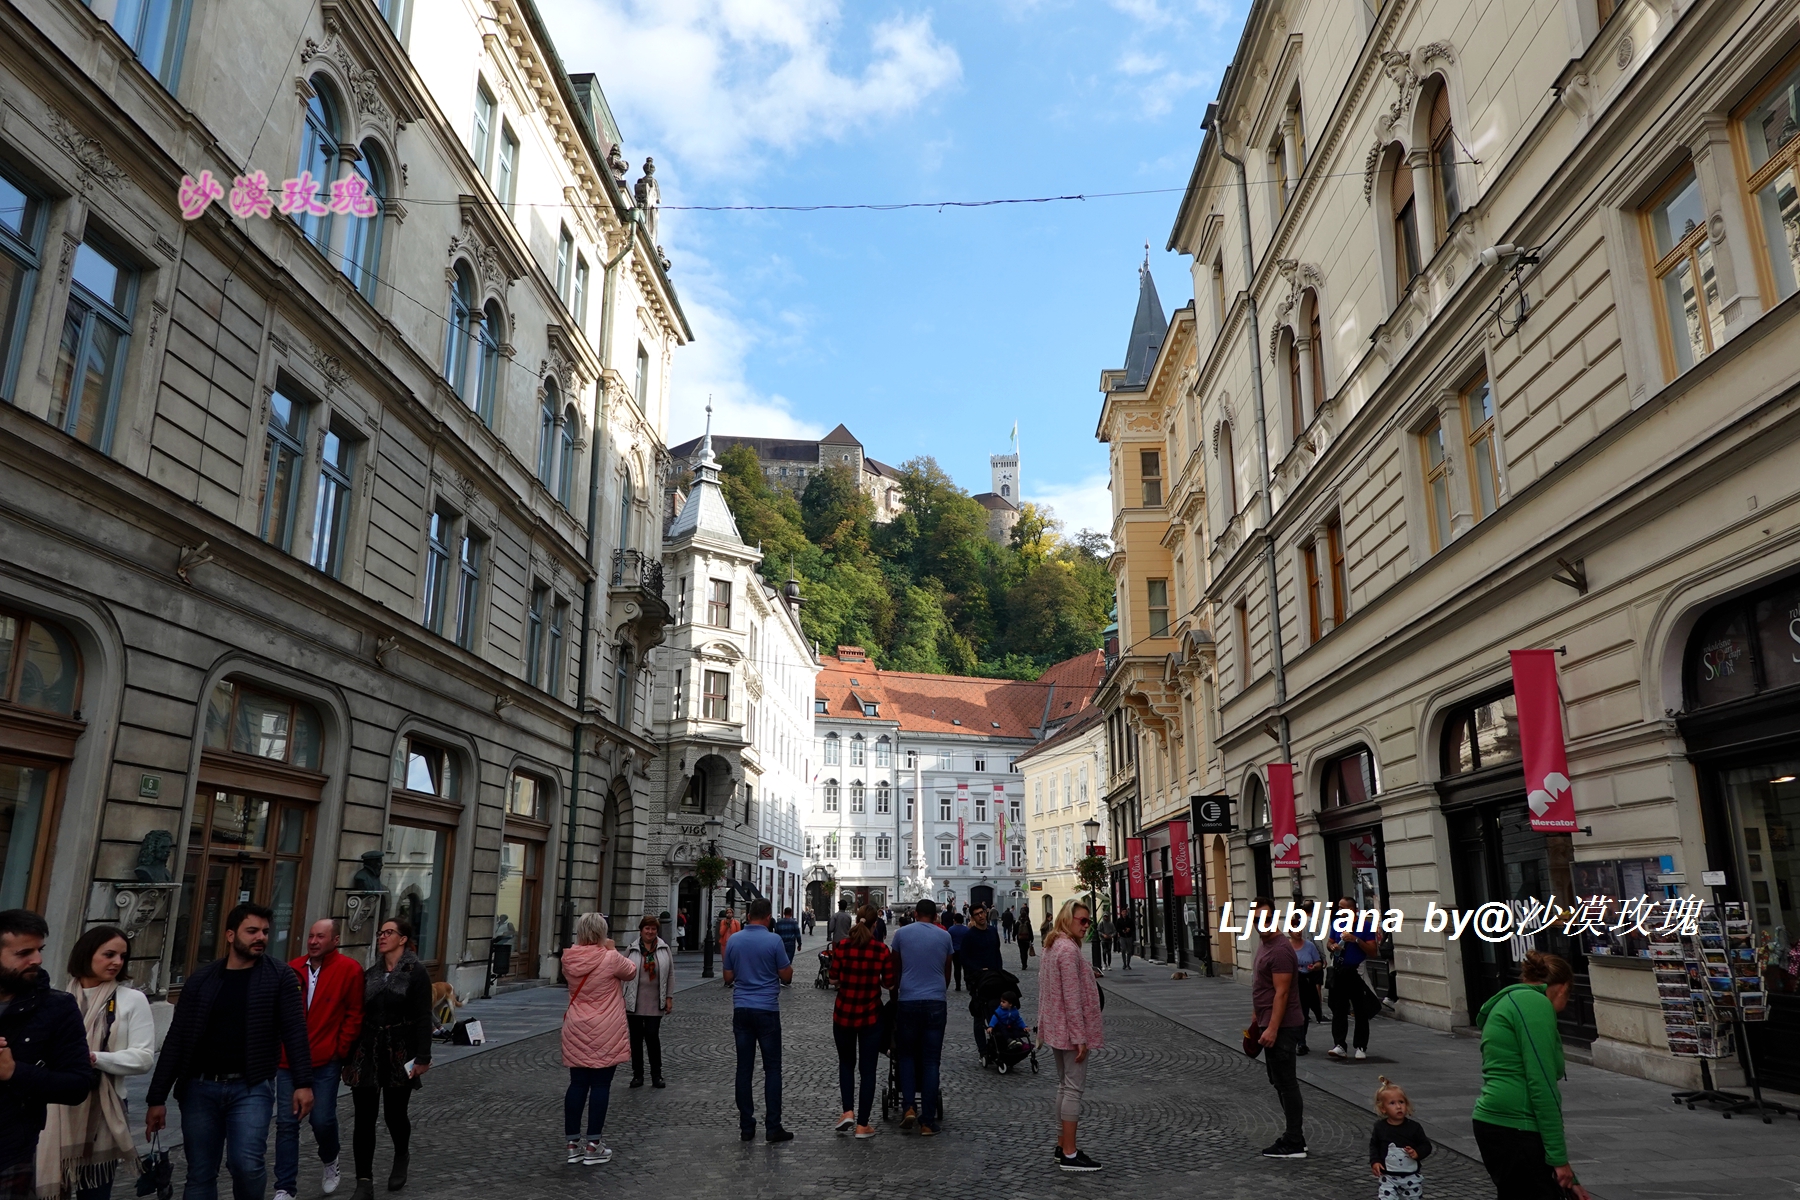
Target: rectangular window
284,450
1240,617
21,226
833,750
1150,469
1018,856
884,753
1037,798
579,304
981,856
90,358
481,139
155,31
884,802
1437,483
831,795
944,808
1340,587
1770,123
858,844
1015,809
858,752
1157,591
1478,419
909,808
554,667
468,588
943,760
1406,230
681,601
331,508
946,855
859,798
831,846
718,603
565,258
884,848
1682,262
535,614
643,377
438,536
980,766
676,708
506,171
715,703
912,760
981,808
1309,555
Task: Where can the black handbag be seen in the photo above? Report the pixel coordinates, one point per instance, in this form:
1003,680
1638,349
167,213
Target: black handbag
156,1171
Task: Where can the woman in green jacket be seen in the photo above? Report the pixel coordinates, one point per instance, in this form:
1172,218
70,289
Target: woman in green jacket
1518,1119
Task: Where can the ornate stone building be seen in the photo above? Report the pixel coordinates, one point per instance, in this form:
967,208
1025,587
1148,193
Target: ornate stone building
791,463
1503,360
326,547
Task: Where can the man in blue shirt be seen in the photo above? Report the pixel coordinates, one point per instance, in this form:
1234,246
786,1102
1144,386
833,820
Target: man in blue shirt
957,930
924,951
788,930
756,965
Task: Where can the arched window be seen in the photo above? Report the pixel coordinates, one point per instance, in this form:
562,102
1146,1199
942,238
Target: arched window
456,339
546,458
1315,338
1745,646
318,160
1443,160
565,471
489,334
1348,779
1296,410
362,240
1404,215
1228,493
1482,733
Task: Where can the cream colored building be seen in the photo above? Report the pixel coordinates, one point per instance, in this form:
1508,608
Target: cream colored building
1590,446
1064,778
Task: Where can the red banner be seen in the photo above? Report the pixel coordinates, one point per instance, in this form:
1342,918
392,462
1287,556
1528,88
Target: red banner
1284,826
1548,793
1362,852
1134,867
962,843
1179,861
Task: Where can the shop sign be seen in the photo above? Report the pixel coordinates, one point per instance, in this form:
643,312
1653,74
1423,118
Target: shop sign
1212,814
1362,852
765,852
1134,865
1179,860
1284,826
1037,885
1548,793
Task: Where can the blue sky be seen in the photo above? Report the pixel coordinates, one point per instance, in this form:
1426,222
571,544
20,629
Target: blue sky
925,331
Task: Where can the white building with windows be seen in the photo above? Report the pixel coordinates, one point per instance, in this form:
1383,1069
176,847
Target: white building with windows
731,716
1063,791
947,747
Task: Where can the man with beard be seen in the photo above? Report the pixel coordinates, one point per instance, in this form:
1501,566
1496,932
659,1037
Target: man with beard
236,1015
43,1050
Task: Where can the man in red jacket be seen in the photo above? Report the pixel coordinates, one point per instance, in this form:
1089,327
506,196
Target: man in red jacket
332,986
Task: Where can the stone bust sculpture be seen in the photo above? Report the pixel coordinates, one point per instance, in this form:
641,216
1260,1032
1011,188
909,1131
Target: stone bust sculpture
153,857
368,876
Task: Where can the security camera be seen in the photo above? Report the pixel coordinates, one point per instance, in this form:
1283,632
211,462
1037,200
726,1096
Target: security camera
1493,254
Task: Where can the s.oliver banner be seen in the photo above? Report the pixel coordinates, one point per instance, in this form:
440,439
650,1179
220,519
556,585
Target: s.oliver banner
1134,867
1284,826
1179,861
1548,792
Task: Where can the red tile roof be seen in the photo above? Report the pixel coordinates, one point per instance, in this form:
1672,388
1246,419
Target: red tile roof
1010,708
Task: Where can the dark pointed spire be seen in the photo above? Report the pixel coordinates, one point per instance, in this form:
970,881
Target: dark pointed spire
1148,328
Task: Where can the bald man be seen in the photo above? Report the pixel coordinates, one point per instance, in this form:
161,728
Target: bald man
332,984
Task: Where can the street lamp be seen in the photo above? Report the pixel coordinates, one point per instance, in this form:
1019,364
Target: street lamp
1091,827
713,827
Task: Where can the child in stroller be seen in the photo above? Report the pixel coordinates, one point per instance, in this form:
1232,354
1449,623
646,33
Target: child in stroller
825,980
1008,1042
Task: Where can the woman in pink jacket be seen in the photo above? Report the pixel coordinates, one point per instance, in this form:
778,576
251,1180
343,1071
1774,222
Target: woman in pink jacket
1069,1022
594,1037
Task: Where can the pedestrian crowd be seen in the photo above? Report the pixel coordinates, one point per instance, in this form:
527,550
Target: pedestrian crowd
255,1041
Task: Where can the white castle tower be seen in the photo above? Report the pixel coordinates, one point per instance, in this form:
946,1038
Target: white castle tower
1005,471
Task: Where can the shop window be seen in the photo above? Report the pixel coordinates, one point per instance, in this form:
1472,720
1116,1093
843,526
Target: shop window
1771,123
1483,733
1348,779
420,844
90,357
1681,256
1745,646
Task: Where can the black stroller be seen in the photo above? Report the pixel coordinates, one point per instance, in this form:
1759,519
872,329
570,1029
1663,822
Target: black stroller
1005,1050
824,979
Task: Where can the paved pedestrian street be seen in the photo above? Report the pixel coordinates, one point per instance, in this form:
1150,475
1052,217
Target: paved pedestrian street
1168,1112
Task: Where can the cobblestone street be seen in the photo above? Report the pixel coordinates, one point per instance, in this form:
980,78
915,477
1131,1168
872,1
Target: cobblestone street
1168,1112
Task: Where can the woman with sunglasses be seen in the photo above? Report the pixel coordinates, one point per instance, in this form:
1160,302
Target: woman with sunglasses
1069,1022
392,1052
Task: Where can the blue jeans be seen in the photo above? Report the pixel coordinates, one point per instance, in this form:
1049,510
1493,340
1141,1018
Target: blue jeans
287,1125
750,1028
857,1049
919,1041
217,1117
590,1088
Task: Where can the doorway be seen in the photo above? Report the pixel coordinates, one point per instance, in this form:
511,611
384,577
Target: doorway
983,895
687,903
243,848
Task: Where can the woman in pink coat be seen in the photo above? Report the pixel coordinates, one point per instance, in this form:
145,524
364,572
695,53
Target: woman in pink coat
1069,1022
594,1036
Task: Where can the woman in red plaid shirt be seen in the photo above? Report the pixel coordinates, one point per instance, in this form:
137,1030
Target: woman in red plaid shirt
861,967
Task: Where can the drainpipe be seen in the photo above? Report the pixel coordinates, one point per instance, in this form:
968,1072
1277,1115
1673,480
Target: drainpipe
1262,452
596,458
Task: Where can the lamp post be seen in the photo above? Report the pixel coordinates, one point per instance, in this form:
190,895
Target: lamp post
713,827
1091,827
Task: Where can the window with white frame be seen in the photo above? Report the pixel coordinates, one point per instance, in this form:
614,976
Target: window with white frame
981,766
831,795
884,847
857,797
943,808
981,856
858,751
858,846
909,806
912,759
832,749
884,752
884,799
981,806
943,760
1037,798
946,855
1018,856
1015,809
831,846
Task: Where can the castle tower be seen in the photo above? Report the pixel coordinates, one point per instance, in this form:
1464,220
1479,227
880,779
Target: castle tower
1005,471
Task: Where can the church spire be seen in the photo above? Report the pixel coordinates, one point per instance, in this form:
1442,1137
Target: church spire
1148,328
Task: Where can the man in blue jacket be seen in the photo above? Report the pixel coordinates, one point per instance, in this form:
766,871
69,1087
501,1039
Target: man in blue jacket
235,1016
979,954
43,1050
957,932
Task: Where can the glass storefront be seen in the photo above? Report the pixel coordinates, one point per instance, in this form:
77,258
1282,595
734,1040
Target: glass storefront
23,810
242,848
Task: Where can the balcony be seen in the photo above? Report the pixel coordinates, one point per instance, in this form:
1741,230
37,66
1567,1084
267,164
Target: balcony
635,598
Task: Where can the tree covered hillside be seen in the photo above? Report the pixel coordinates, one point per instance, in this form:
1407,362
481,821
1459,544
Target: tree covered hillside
927,592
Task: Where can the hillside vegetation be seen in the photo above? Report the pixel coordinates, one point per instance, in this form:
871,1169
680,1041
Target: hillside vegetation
928,591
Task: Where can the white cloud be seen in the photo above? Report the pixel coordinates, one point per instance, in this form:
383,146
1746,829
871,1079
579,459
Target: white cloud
1085,504
715,83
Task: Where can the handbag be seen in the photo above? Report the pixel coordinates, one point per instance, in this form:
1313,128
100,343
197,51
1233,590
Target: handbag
156,1171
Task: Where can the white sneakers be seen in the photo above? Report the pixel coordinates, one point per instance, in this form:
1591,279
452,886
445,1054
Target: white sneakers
1361,1054
574,1150
328,1182
281,1195
1335,1052
597,1152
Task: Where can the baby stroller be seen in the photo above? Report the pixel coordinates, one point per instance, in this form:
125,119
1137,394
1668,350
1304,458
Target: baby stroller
890,1091
824,979
1005,1049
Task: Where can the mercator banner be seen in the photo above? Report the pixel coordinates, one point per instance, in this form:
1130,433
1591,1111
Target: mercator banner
1284,826
1548,793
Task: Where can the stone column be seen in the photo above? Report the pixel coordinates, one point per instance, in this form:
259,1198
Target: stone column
1456,459
1309,403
